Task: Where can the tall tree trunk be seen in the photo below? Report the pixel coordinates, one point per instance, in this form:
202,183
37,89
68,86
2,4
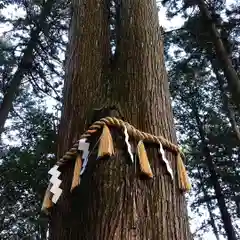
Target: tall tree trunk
112,202
221,53
208,203
23,66
226,104
226,219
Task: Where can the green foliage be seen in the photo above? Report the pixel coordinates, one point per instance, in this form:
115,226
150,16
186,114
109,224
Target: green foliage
24,177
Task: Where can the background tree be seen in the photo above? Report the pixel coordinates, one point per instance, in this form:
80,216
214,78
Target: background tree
189,70
27,149
38,37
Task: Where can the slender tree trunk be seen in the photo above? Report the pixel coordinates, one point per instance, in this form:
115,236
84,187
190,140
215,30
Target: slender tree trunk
23,66
226,219
222,55
212,220
226,104
112,202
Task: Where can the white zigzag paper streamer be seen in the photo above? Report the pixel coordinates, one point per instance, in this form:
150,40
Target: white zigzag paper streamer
83,145
161,151
55,183
128,144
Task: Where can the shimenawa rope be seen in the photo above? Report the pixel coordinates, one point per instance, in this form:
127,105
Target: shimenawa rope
132,131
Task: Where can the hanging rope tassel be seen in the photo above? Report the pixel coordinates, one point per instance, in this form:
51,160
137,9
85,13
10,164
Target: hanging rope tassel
143,160
106,143
47,202
183,180
76,172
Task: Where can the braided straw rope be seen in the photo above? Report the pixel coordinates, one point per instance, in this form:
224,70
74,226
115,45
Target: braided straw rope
132,131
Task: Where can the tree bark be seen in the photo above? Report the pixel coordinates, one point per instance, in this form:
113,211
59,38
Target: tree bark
23,66
226,219
112,202
222,55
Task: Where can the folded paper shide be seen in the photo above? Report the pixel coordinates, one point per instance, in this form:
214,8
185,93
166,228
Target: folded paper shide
53,191
80,153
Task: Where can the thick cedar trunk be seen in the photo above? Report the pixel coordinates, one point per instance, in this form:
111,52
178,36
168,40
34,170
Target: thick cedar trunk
226,219
23,66
222,55
112,202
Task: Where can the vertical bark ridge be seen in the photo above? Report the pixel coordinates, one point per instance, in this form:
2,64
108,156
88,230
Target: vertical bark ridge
87,66
140,34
